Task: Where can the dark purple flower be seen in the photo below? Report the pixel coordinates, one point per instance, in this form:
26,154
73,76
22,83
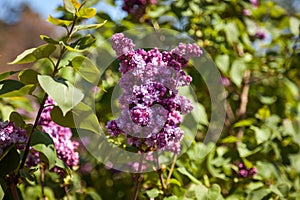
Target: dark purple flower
260,34
245,172
10,135
137,8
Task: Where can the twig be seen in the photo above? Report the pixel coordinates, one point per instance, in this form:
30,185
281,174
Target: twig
14,192
26,152
171,170
160,174
138,178
244,100
42,168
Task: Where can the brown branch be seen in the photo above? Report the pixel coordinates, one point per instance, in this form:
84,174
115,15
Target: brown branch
244,100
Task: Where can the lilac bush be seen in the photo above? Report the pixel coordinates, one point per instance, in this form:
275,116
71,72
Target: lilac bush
151,107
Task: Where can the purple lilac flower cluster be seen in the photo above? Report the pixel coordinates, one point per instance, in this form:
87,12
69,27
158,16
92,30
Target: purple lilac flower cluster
245,172
65,147
151,107
137,8
10,135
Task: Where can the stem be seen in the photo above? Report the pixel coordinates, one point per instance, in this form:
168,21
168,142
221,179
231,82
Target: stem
138,178
171,170
244,100
32,130
14,192
66,191
160,174
42,168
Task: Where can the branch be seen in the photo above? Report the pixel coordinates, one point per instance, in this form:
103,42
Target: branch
244,99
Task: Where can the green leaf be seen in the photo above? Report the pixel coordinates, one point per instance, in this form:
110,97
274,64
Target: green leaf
258,194
153,193
266,99
48,39
263,113
7,74
261,134
17,119
294,25
71,5
25,57
81,116
28,76
13,88
214,193
244,122
171,198
9,160
59,22
198,192
223,62
292,88
284,189
89,26
44,144
81,44
34,54
232,32
61,164
183,171
67,97
86,69
237,71
244,151
86,13
230,139
175,182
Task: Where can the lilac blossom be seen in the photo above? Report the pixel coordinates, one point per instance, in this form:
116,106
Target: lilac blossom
10,135
255,3
151,108
245,172
62,137
137,8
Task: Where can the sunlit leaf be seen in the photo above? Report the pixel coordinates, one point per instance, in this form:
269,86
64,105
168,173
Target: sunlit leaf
71,5
67,97
44,144
153,193
237,71
183,171
33,54
261,134
81,116
13,88
86,13
86,69
59,22
48,39
89,26
223,62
